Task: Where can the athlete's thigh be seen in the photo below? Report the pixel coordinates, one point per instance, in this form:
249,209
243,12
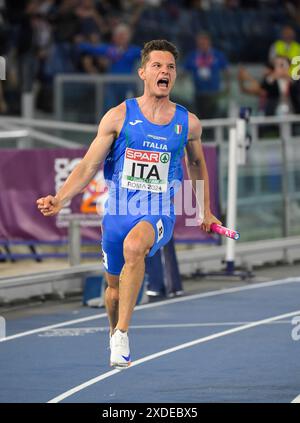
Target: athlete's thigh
113,259
163,227
143,233
113,235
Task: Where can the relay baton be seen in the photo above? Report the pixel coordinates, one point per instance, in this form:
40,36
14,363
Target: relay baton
221,230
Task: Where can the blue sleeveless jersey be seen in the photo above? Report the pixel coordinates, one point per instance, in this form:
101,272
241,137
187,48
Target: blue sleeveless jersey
144,164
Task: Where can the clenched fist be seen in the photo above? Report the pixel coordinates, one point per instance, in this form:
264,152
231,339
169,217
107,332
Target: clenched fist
49,206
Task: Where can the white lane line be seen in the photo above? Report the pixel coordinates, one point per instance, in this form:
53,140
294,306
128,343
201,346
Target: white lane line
296,400
150,357
156,304
87,330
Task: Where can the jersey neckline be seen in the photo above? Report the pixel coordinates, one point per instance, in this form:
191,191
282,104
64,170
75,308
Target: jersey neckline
152,123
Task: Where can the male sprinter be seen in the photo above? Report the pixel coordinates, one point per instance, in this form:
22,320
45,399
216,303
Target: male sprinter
142,142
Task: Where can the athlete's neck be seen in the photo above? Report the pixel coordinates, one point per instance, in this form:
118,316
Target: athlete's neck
156,108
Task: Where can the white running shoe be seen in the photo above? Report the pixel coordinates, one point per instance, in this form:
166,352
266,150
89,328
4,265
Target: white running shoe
119,350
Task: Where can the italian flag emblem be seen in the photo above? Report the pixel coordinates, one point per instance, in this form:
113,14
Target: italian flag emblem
178,129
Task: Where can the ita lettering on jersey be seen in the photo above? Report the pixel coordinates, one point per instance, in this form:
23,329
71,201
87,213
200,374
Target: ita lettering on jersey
146,170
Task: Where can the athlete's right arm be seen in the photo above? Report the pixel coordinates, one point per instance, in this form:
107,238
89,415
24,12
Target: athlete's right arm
83,173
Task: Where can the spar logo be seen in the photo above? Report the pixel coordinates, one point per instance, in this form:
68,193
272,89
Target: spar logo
142,155
165,157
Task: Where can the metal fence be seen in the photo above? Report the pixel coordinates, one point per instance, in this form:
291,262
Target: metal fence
97,93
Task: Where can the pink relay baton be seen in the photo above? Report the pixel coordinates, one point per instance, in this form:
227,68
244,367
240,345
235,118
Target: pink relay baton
221,230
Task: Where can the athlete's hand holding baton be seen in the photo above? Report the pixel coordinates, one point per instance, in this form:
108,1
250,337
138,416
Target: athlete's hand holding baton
222,230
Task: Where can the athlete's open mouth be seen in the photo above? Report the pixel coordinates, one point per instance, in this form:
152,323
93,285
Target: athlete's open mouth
163,82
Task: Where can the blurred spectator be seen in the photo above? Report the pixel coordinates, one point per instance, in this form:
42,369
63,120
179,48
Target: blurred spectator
66,22
46,7
58,57
121,57
107,8
286,46
206,65
120,53
293,9
91,22
278,92
34,39
115,12
132,10
40,39
89,63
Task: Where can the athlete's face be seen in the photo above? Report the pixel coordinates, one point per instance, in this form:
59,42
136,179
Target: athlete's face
159,73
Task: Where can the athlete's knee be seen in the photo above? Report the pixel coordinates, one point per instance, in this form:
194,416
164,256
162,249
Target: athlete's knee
113,293
134,250
112,280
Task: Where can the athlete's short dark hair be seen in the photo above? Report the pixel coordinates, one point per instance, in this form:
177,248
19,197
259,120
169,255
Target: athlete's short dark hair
160,45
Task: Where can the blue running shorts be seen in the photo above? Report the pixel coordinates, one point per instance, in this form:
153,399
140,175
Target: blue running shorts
115,230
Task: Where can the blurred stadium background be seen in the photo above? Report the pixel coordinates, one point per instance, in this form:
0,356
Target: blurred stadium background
66,62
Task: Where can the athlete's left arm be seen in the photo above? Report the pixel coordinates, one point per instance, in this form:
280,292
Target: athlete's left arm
197,170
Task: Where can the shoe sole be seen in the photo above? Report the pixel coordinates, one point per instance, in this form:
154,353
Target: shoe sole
120,366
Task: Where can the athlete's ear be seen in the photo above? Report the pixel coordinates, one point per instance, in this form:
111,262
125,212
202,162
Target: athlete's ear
141,72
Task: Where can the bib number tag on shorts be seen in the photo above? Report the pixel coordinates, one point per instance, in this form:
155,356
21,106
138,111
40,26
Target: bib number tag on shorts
146,170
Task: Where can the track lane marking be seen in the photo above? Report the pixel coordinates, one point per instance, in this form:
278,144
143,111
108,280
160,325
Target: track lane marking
156,304
296,400
159,354
87,330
